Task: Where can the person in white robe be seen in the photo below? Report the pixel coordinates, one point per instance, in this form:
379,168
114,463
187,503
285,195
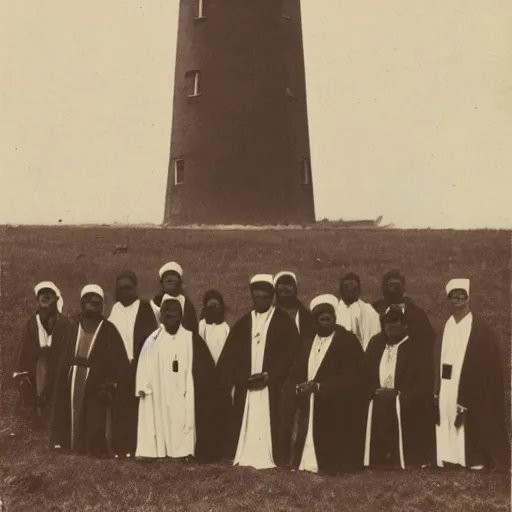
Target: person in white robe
471,426
176,390
213,327
354,314
258,355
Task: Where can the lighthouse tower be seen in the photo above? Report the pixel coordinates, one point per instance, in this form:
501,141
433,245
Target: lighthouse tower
240,150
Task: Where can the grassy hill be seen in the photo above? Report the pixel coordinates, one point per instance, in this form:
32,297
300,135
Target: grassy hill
32,479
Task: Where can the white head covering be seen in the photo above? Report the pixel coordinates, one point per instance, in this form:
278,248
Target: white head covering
324,299
284,273
167,297
263,278
51,286
457,284
172,266
92,288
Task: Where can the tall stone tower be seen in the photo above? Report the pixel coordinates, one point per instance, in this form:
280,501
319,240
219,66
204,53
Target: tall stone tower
240,143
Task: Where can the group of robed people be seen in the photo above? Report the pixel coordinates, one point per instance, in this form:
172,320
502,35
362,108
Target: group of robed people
335,387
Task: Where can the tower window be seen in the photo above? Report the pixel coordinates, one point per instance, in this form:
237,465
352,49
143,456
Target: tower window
179,172
200,9
305,171
193,79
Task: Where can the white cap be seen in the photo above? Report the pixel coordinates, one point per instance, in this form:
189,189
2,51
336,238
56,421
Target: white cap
284,273
179,298
457,284
324,299
92,288
43,285
172,266
263,278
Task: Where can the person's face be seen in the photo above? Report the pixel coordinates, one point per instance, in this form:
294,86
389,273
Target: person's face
262,300
213,304
395,288
170,314
286,288
92,305
459,300
171,283
126,291
350,290
394,330
47,299
325,320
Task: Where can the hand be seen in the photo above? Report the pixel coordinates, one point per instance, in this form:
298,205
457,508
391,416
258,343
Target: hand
24,381
389,393
307,388
257,381
461,414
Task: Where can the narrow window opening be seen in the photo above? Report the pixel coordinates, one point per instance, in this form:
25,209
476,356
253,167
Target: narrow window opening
193,79
305,171
179,172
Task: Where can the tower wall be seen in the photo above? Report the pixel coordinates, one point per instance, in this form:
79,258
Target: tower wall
243,138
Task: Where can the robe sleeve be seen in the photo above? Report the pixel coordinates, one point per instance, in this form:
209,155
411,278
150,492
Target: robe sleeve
206,398
486,409
227,364
290,403
27,351
116,361
370,368
419,388
289,350
425,329
156,311
59,344
350,371
61,413
373,321
190,317
144,371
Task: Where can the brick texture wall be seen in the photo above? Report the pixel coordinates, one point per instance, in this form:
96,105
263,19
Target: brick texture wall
244,137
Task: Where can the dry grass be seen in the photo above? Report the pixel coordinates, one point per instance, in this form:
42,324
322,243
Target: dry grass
33,479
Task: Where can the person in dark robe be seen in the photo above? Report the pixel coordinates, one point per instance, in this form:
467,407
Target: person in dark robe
41,345
213,327
178,392
317,410
92,366
135,321
353,313
469,390
419,326
259,353
287,299
400,414
171,280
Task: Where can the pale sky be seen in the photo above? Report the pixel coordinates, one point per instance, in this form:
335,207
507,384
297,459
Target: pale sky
409,101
